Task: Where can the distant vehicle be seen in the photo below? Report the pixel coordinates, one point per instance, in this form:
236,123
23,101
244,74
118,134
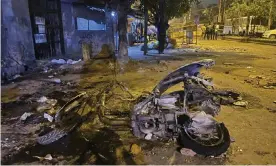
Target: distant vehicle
271,34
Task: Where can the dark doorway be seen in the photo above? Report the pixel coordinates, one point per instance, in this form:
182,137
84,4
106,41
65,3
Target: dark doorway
47,28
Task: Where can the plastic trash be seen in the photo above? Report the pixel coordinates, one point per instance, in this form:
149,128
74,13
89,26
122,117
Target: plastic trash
25,116
58,61
42,99
48,117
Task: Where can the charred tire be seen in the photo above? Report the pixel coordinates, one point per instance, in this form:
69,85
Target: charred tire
186,142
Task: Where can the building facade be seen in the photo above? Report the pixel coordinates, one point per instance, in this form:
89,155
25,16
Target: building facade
45,29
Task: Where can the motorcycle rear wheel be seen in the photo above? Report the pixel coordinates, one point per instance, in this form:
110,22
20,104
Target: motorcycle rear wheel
216,150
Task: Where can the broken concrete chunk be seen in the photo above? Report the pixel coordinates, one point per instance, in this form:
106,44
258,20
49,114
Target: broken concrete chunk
25,116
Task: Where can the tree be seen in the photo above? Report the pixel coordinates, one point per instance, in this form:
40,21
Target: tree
256,8
123,8
210,12
161,11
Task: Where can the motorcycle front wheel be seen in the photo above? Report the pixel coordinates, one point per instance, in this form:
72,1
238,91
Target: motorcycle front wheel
201,147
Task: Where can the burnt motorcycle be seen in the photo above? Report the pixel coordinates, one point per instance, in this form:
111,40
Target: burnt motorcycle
186,115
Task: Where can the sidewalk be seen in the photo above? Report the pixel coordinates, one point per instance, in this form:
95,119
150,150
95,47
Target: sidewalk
135,52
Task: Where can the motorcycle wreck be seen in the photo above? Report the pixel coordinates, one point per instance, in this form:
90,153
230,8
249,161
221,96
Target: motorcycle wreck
186,115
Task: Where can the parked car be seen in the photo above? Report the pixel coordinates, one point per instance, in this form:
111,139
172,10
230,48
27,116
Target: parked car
271,34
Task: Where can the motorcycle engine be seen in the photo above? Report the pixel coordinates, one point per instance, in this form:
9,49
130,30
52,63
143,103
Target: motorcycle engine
156,119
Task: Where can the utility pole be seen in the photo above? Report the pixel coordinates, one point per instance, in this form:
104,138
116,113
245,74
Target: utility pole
146,28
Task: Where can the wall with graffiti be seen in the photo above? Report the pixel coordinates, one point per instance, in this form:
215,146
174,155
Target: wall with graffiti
16,40
75,36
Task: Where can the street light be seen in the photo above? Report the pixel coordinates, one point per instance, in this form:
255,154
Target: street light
113,13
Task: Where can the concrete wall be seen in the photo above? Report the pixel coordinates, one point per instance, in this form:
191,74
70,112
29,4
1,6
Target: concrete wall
17,47
73,38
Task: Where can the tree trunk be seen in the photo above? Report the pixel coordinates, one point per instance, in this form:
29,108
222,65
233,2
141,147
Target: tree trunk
220,12
161,27
86,51
247,25
146,28
122,28
270,14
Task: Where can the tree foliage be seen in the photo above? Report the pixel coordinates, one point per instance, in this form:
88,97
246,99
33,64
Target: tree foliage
173,8
210,12
257,8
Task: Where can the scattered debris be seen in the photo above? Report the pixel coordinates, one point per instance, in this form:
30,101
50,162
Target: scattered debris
71,62
239,98
55,80
47,157
148,136
172,159
43,107
102,156
261,153
232,139
52,102
241,103
272,111
48,117
228,63
15,77
58,61
135,149
25,116
268,87
45,70
260,77
187,152
42,99
248,81
256,76
271,84
252,76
